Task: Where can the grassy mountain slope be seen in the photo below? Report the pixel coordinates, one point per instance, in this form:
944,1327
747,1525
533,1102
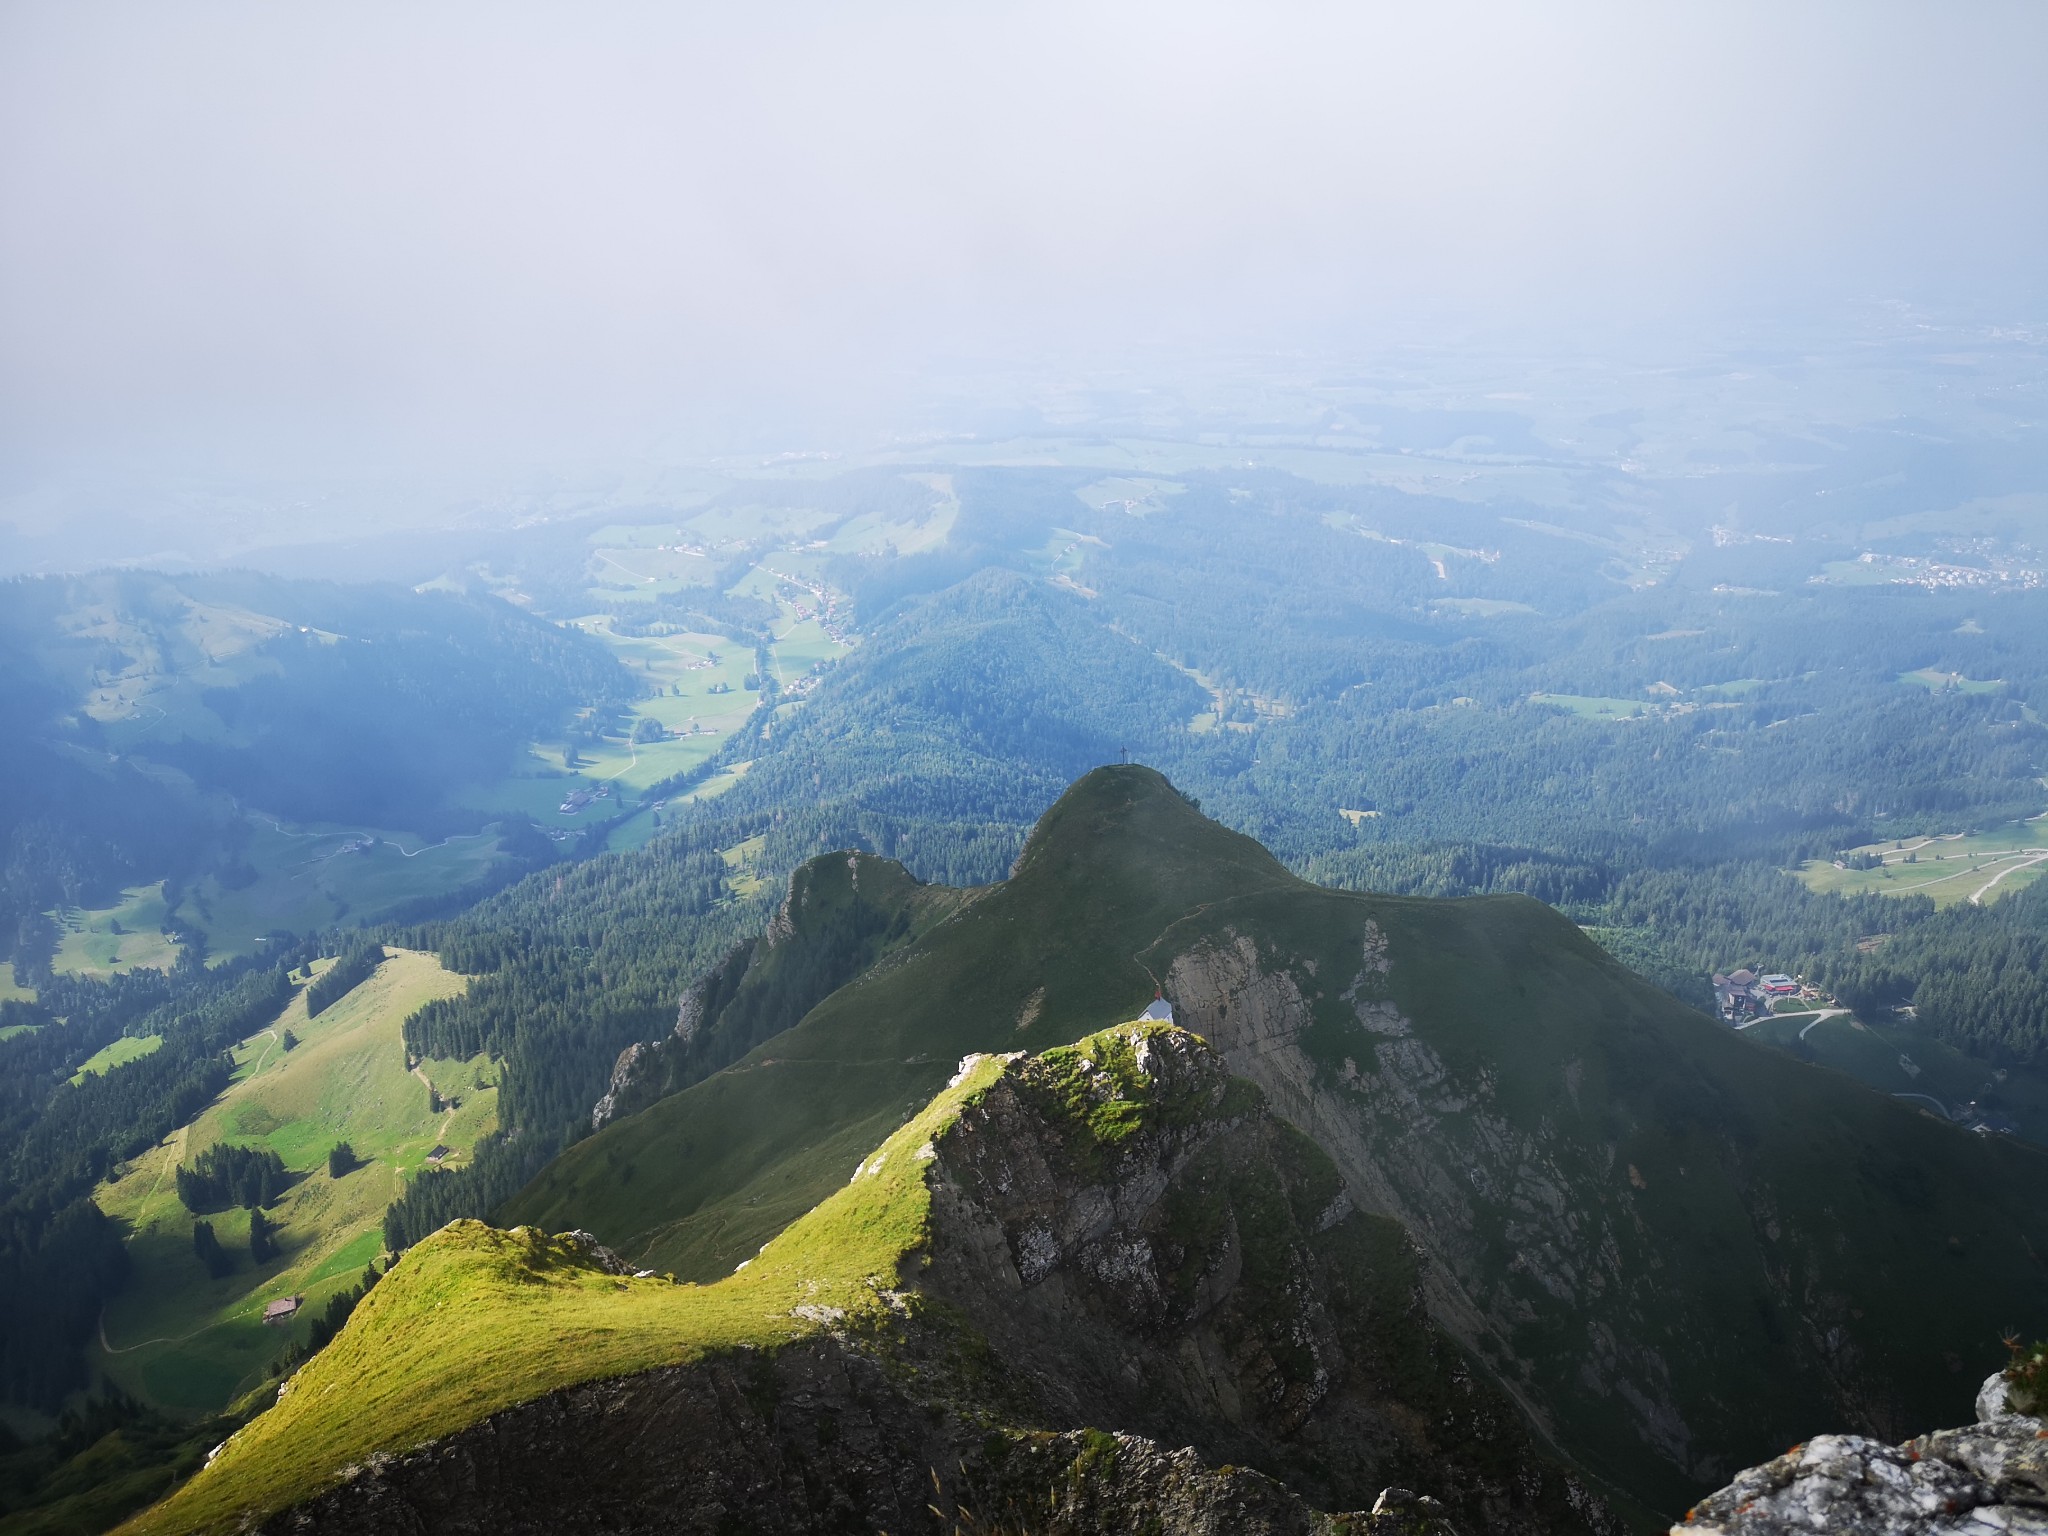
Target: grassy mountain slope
177,1338
1113,1233
1681,1251
475,1320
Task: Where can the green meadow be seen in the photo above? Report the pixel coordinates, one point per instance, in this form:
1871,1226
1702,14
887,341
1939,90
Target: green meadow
124,937
12,991
308,878
1898,1057
1935,681
1590,708
533,1316
1948,867
1137,495
188,1343
122,1051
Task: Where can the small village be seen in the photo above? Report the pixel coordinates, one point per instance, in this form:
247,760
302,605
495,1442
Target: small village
1742,995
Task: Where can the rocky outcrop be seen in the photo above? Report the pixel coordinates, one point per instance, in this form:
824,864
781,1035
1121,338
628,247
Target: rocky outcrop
1989,1477
627,1072
1142,1244
1617,1208
841,913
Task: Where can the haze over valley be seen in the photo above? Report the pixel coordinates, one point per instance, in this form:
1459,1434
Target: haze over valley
1266,772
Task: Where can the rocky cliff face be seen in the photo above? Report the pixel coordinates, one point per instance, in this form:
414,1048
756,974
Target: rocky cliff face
1557,1188
1138,1286
1140,1243
1989,1477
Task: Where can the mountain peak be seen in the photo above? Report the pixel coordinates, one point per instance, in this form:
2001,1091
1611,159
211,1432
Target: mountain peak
1125,821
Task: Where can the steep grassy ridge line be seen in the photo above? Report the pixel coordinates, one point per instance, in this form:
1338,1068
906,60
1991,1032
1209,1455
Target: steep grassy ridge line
1682,1251
181,1340
475,1320
701,1179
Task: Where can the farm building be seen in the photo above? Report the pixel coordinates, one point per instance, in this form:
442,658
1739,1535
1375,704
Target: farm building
283,1310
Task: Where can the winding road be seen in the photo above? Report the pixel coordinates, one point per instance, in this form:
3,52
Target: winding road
1820,1016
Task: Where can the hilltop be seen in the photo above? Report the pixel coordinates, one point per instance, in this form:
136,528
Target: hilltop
1678,1251
1062,1266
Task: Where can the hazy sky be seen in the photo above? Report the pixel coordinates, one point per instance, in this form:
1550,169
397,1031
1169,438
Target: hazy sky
363,229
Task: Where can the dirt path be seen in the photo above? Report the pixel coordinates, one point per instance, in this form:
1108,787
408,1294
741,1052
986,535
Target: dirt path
129,1349
440,1131
1977,896
177,1151
1822,1015
636,575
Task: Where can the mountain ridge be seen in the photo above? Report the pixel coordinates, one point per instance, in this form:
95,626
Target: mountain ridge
1114,1231
1555,1133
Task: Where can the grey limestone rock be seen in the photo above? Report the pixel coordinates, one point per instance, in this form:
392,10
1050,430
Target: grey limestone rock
1988,1477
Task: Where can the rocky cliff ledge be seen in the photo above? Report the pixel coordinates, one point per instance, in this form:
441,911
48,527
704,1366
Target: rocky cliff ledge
806,1441
1991,1476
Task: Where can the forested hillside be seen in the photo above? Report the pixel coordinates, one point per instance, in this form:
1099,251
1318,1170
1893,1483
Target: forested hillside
154,723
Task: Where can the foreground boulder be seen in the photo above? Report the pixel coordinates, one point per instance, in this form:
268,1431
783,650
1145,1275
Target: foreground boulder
1990,1476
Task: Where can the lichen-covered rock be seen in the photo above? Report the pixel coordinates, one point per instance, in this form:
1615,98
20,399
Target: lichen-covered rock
1991,1476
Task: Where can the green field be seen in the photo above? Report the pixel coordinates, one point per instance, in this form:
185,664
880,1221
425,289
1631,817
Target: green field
308,878
681,670
719,782
874,533
1938,682
1734,689
189,1344
124,1050
11,989
535,1315
1138,495
744,860
1590,708
1949,867
627,572
124,937
1899,1057
1479,607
